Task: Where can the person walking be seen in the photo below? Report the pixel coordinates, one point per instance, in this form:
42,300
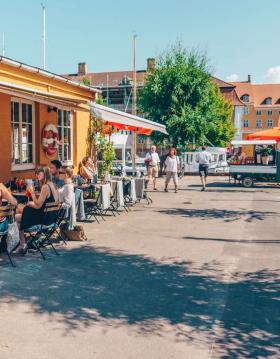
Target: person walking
152,162
204,159
171,168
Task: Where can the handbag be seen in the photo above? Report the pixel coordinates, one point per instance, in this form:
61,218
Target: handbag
12,239
76,234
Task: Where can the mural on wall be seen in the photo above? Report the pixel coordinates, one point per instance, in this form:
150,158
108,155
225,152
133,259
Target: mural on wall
50,140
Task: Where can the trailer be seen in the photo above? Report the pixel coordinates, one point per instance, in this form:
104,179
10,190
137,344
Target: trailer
254,170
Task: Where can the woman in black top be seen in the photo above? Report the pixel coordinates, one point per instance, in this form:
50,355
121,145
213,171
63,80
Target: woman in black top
33,212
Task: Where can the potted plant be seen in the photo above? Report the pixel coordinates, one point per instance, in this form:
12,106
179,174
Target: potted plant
265,152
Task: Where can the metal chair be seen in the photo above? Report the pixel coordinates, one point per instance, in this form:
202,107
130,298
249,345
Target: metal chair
7,212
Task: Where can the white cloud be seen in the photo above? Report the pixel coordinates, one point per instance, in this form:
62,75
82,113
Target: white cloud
232,78
273,74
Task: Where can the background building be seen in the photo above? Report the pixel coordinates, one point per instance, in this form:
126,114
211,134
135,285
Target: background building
117,92
261,105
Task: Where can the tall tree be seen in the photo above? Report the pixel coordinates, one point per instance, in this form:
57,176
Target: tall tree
180,94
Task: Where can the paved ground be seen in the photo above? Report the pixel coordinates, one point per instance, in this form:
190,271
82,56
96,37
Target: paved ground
193,276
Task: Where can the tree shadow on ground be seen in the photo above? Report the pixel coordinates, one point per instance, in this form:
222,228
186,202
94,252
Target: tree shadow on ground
86,286
225,187
228,240
225,214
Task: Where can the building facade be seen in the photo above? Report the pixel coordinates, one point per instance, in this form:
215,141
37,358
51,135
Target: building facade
43,117
261,106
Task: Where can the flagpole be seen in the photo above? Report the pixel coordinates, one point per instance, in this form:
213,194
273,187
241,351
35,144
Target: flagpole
44,37
134,103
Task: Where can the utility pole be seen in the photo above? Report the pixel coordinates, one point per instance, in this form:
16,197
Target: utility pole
3,44
134,107
134,103
44,37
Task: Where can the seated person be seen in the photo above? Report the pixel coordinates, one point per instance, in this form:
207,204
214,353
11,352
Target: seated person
33,213
87,169
6,195
241,156
55,167
67,195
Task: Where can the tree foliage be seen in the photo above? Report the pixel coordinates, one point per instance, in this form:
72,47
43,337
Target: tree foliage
179,93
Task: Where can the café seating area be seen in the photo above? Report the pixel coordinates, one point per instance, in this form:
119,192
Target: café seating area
95,200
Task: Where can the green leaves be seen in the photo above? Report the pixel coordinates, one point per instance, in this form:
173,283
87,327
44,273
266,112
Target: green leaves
180,94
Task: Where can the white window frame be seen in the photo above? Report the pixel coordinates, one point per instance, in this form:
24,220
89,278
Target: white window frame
259,112
246,122
259,121
269,112
69,162
246,110
24,166
245,98
270,121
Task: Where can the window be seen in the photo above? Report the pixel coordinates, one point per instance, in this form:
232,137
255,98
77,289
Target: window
269,112
246,123
22,118
259,112
246,110
269,123
245,98
259,123
267,101
65,133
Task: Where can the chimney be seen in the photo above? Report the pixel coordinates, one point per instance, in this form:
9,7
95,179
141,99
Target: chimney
249,78
151,62
82,68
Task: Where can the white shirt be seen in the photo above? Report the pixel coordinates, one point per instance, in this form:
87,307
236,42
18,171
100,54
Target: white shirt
153,157
203,158
171,164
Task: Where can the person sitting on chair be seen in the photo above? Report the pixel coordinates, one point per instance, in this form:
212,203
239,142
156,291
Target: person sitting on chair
87,169
33,213
6,195
67,195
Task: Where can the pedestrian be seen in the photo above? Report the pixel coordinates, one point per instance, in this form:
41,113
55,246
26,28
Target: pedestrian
204,159
152,162
171,168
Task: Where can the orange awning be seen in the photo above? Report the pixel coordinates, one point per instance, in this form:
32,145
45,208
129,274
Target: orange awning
271,134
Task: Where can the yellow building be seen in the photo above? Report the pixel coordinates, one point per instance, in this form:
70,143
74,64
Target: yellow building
262,106
43,116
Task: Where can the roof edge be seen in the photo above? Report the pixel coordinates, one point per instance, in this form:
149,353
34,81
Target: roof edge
48,74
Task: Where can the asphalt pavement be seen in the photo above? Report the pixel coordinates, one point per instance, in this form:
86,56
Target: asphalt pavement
195,275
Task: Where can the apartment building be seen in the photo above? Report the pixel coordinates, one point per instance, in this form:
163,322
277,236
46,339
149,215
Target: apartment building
261,106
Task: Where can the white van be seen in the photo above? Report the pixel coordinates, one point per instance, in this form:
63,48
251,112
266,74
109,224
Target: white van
218,164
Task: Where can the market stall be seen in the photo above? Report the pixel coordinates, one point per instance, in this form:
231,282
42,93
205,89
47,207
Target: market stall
263,166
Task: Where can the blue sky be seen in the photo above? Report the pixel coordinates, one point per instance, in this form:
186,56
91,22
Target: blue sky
240,36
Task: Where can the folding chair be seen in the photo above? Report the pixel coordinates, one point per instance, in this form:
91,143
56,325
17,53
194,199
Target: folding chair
7,212
141,192
92,208
40,236
117,198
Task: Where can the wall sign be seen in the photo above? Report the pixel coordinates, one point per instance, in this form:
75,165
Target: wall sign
50,140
